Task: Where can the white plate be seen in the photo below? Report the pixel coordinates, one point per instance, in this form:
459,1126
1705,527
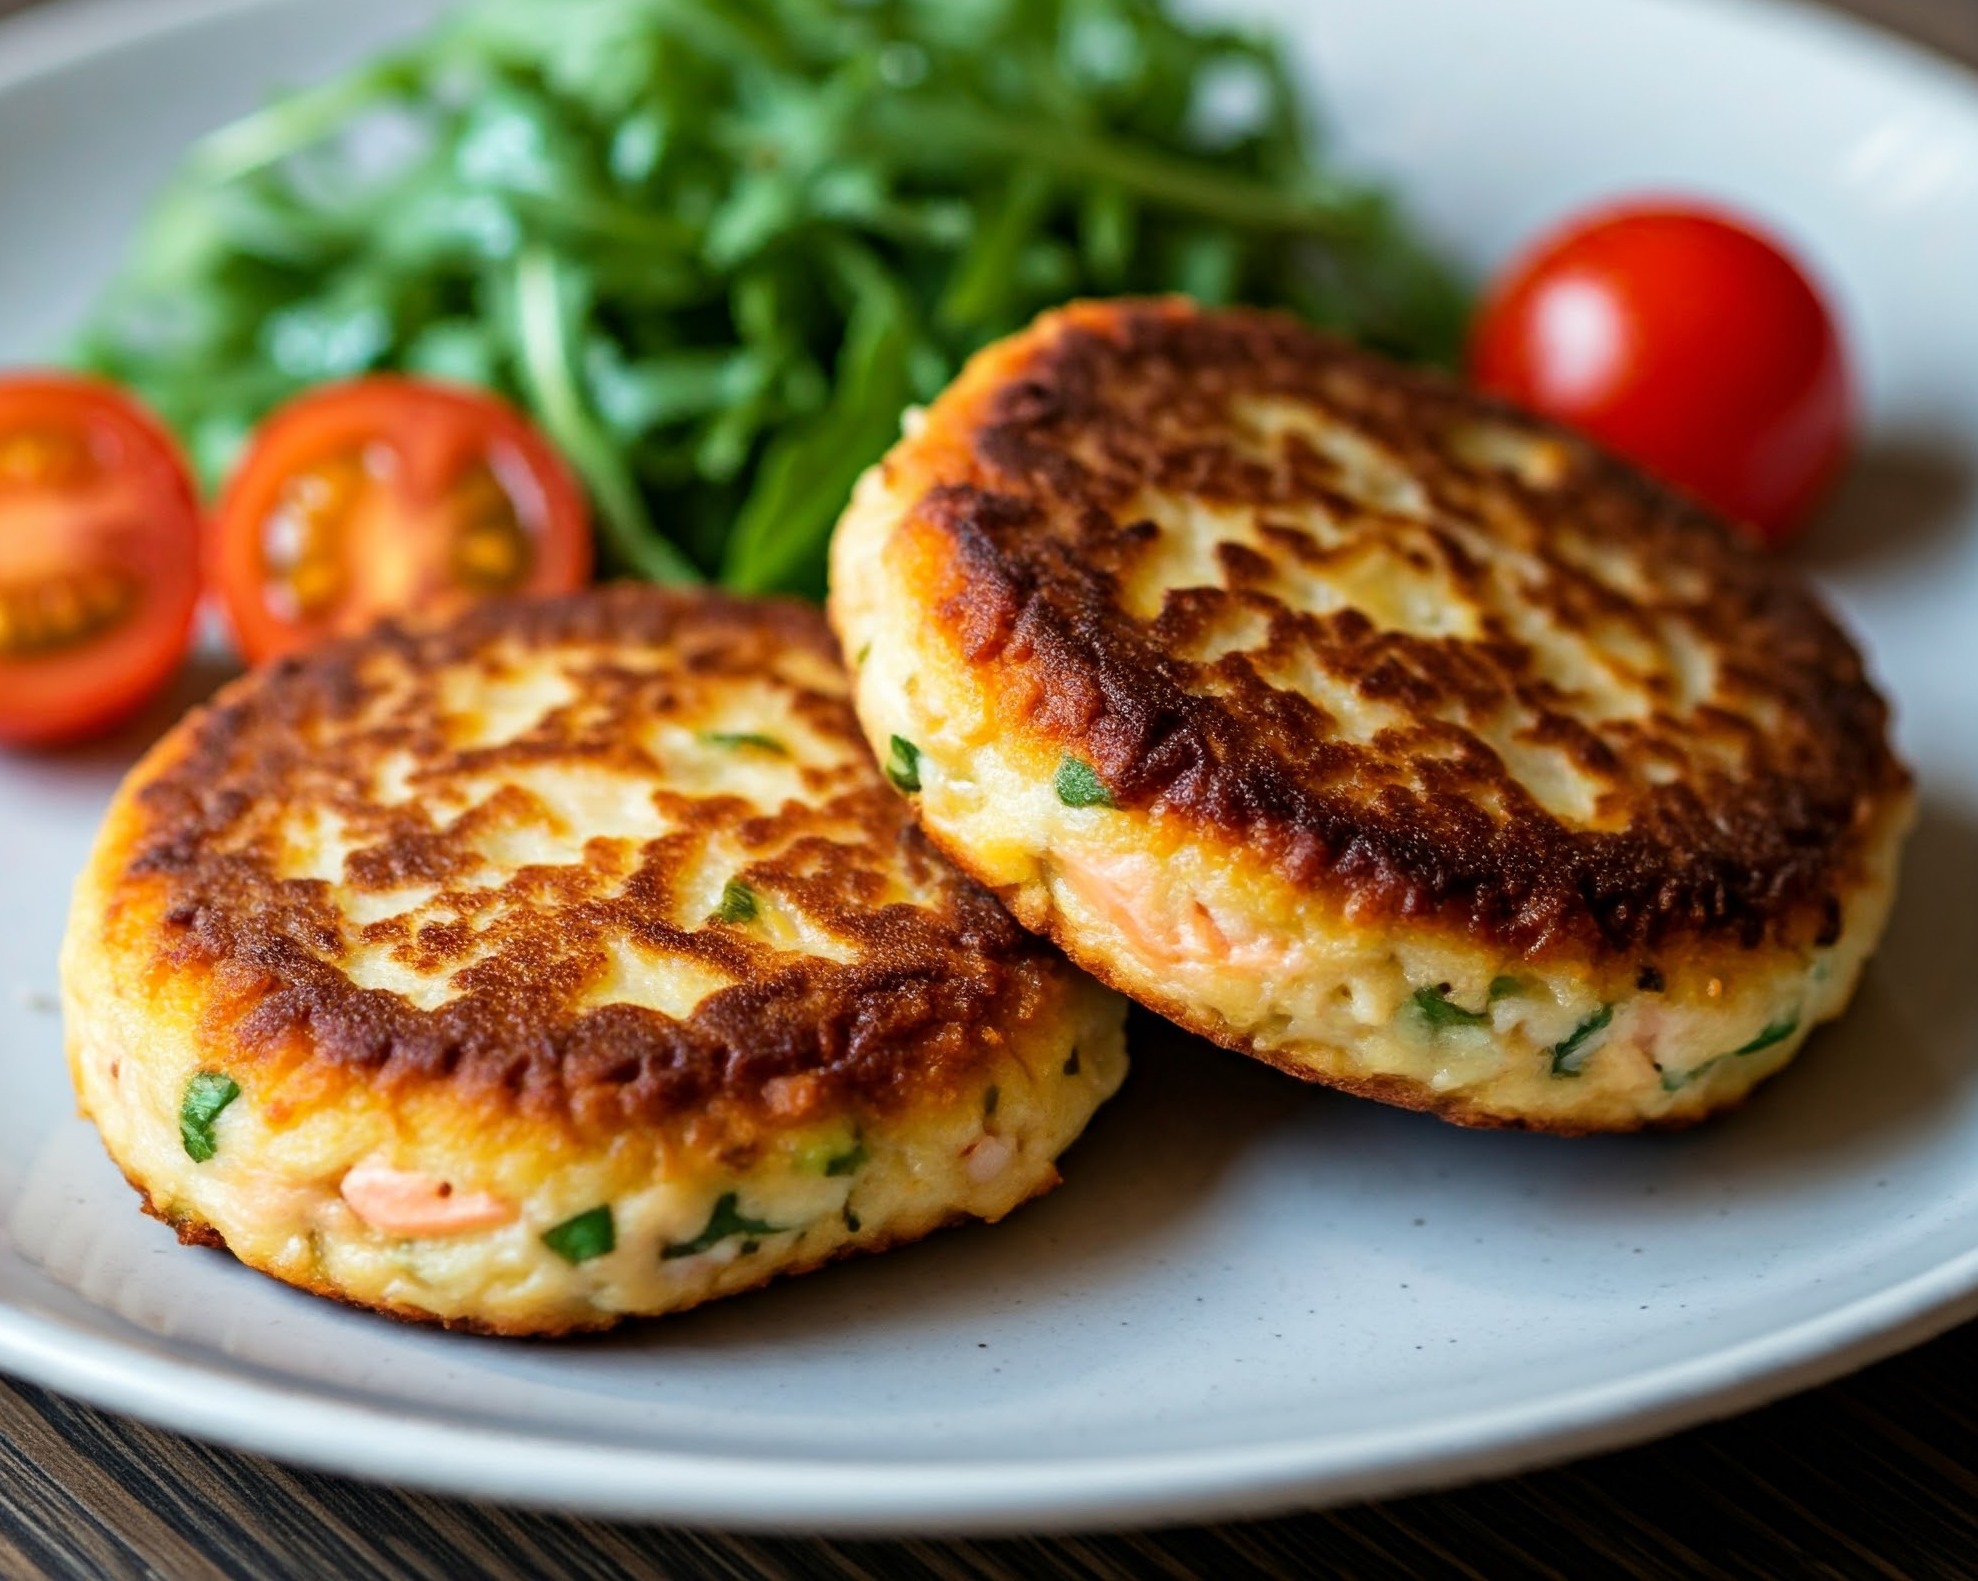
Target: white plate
1249,1295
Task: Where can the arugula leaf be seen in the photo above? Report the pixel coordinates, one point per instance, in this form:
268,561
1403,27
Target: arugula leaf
808,472
1438,1010
547,370
206,1095
723,1223
714,246
588,1235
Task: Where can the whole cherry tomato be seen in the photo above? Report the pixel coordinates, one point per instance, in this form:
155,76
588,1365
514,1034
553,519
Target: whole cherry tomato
1687,341
99,558
389,496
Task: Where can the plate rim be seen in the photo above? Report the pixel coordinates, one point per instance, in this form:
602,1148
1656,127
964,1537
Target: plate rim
306,1425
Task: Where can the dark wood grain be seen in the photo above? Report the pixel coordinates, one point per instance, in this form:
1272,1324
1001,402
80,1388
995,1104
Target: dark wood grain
1874,1476
1870,1477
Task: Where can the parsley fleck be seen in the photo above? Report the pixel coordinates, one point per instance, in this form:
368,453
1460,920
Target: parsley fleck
903,765
1437,1009
1676,1080
745,738
1078,785
848,1163
725,1221
1777,1032
1570,1057
206,1095
590,1234
738,903
1071,1064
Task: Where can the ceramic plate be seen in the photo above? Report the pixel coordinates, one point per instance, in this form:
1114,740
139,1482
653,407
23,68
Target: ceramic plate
1248,1296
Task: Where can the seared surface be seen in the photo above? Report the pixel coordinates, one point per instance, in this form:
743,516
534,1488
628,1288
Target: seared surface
1398,641
1368,727
566,963
358,750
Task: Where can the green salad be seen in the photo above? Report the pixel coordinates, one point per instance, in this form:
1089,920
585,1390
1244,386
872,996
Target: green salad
714,247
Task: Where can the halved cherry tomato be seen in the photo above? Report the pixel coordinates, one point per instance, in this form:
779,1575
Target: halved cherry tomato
391,496
1685,340
99,558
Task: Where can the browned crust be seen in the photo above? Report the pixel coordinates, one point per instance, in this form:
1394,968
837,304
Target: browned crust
193,1232
1020,529
194,896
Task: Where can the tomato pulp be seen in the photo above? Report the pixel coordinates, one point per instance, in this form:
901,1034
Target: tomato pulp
391,496
99,558
1689,342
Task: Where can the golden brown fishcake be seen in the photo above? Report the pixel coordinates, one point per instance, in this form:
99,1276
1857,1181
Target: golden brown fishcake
443,942
1365,698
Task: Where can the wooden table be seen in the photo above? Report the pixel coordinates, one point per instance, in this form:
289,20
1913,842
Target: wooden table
1875,1476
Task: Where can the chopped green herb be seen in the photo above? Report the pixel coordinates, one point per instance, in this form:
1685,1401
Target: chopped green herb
1777,1032
588,1235
745,738
1071,1063
849,1162
1676,1080
1078,785
990,1098
1505,988
206,1095
725,1221
1437,1009
716,247
1570,1057
738,902
864,654
851,1219
903,765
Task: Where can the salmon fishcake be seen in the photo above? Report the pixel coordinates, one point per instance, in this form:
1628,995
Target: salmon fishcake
563,964
1369,727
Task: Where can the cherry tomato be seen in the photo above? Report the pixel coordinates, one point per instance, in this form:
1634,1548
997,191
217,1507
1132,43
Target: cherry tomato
391,496
99,558
1683,339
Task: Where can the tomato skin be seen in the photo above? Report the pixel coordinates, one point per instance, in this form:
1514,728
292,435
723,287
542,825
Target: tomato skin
426,436
134,515
1687,341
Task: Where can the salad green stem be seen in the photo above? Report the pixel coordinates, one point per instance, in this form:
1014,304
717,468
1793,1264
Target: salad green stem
552,382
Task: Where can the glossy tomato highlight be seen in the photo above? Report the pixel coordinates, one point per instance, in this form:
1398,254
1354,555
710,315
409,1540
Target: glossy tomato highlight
99,558
1687,340
391,496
